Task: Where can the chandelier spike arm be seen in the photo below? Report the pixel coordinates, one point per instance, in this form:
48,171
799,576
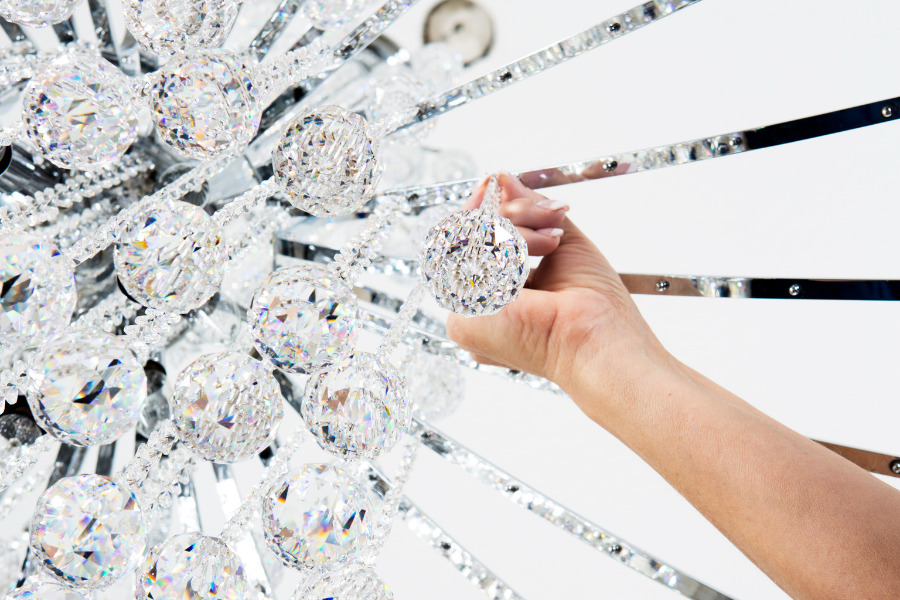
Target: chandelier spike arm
65,31
13,31
271,30
401,323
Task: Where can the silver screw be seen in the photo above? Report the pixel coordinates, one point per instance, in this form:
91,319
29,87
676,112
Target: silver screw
887,112
662,286
895,467
794,290
610,166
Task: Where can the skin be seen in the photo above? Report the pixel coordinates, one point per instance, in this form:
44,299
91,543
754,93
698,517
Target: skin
817,525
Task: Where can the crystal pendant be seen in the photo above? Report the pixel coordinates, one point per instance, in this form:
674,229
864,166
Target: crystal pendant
316,517
37,290
204,104
327,161
303,318
330,15
88,531
45,590
171,257
226,407
356,582
191,566
171,26
358,408
80,111
37,13
436,384
88,387
395,88
475,262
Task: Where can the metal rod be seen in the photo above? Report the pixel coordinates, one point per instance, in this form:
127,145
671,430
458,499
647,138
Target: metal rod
281,16
65,31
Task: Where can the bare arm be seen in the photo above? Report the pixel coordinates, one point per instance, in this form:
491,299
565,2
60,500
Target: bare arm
819,526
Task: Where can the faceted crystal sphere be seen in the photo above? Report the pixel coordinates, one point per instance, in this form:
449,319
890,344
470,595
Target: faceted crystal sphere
191,566
474,262
80,111
88,530
226,407
303,318
333,14
317,517
359,408
204,104
356,582
88,387
436,384
37,13
37,290
45,590
327,161
171,257
171,26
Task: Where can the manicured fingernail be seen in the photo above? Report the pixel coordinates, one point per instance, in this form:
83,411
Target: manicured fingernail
550,232
553,204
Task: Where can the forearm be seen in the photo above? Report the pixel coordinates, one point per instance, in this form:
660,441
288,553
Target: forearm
819,526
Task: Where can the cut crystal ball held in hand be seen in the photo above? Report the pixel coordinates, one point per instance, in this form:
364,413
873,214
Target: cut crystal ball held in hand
191,566
475,262
45,590
80,111
37,13
327,161
204,104
356,582
226,407
37,290
303,318
358,408
170,257
88,531
170,26
87,387
316,517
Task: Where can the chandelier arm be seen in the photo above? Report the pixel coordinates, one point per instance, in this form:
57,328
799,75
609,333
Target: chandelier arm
65,31
561,517
187,506
873,462
273,27
371,29
14,31
434,535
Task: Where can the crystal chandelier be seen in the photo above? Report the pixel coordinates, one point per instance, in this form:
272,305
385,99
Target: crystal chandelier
153,181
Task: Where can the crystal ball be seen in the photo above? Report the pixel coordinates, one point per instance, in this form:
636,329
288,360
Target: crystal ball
226,406
356,582
329,15
88,387
171,26
327,161
171,257
45,590
358,408
88,531
191,565
303,318
474,262
317,517
37,13
436,384
37,290
80,112
204,104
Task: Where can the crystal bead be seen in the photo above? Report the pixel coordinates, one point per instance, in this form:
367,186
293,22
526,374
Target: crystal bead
37,290
191,565
436,384
80,112
475,262
170,26
356,582
327,161
357,409
303,318
330,15
170,257
316,518
88,388
88,531
204,104
37,13
45,590
226,406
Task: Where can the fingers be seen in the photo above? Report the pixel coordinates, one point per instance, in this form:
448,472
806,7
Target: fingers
541,242
535,213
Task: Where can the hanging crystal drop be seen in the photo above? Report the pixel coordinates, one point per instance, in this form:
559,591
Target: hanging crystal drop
87,387
37,13
170,26
226,406
330,15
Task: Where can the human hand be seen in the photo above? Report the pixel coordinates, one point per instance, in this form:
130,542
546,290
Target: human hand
575,322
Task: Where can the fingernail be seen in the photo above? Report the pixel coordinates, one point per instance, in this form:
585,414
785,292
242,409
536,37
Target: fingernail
550,232
553,204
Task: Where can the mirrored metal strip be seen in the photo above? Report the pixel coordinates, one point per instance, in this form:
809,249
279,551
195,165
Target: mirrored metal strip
462,560
650,159
14,31
561,517
370,29
873,462
100,19
65,31
279,19
598,35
